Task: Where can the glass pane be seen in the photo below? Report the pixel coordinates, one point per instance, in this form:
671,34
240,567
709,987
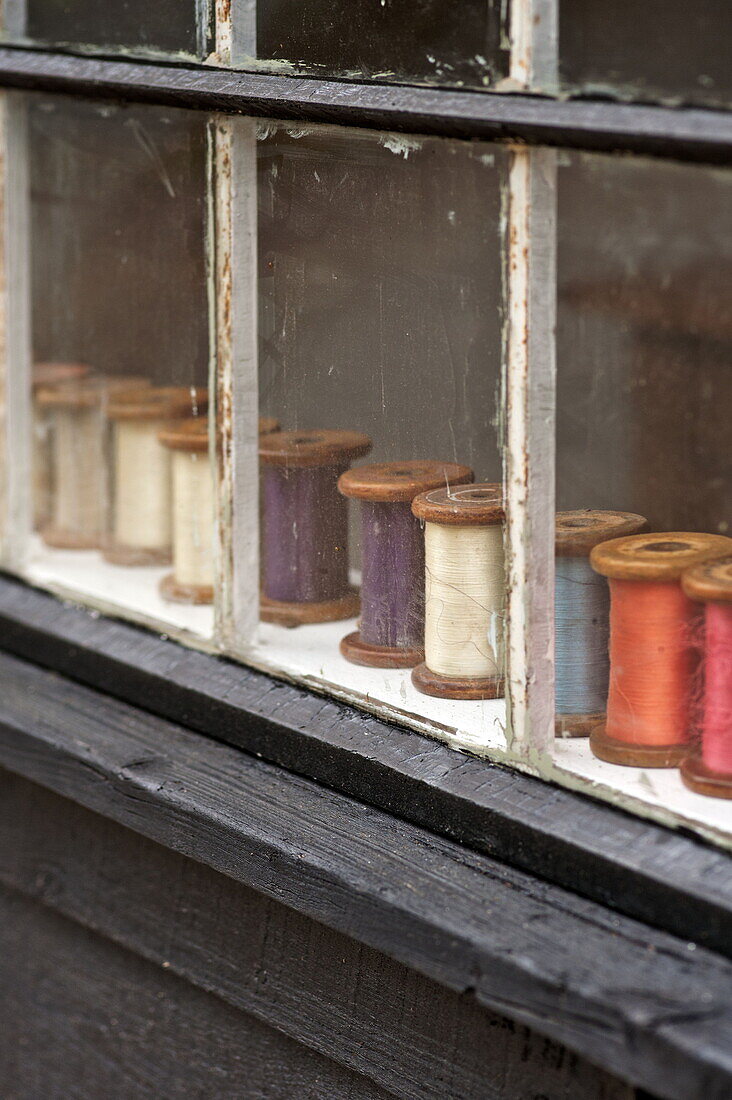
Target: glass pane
380,320
122,482
387,39
643,411
167,27
656,50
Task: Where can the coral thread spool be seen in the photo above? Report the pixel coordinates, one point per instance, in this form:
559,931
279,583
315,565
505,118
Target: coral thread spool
80,433
391,628
711,772
652,659
305,520
464,592
142,512
582,617
47,374
192,579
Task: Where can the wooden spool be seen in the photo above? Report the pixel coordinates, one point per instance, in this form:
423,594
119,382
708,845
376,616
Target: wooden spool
709,583
468,506
193,516
305,526
391,630
142,511
47,374
80,431
576,535
661,558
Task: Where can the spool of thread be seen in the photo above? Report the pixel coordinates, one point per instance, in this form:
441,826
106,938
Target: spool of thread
582,617
652,655
46,374
710,772
142,509
391,628
305,541
464,592
192,579
80,453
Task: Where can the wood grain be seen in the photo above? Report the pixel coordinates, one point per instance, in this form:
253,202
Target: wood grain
638,868
371,1015
638,1002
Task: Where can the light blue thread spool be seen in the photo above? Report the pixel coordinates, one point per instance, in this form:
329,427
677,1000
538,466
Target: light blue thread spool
582,617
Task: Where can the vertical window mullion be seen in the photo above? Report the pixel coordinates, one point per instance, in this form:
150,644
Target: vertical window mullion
530,401
17,332
236,386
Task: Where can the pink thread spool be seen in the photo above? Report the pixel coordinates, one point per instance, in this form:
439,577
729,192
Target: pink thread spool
710,772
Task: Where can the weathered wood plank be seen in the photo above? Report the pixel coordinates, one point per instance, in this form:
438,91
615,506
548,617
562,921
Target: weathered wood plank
645,871
682,133
351,1004
84,1018
638,1002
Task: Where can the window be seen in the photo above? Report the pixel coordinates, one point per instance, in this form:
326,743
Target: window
312,395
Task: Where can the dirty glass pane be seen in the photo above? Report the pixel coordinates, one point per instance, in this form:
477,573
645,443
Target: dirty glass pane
644,404
655,50
119,450
420,40
380,320
168,27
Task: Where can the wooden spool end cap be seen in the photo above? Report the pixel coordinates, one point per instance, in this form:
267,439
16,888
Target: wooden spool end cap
456,687
658,557
319,447
702,780
158,403
86,392
710,582
51,374
389,482
187,435
192,435
479,505
578,532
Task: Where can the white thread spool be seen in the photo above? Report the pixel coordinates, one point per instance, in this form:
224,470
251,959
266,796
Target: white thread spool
193,513
80,459
464,592
142,512
46,374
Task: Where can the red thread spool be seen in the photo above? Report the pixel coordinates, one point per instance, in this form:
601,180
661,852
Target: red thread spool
652,657
711,771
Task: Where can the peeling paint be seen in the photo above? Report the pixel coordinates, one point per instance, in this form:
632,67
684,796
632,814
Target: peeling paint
400,144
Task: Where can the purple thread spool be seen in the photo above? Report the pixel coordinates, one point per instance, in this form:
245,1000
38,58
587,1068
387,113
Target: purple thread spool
305,544
391,629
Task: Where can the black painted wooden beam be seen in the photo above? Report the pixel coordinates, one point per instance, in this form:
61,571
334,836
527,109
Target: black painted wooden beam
652,1008
664,878
683,133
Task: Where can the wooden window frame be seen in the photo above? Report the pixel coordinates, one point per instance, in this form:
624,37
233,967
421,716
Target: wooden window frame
561,836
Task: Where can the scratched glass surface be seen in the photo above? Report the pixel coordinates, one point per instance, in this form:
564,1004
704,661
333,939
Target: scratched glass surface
381,313
176,28
120,344
643,340
420,40
664,50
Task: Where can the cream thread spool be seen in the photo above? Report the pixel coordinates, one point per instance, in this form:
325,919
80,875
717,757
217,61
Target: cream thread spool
464,592
80,453
142,512
47,374
192,579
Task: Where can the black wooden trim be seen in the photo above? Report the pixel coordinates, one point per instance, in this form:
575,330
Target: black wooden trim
664,878
654,1009
682,133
